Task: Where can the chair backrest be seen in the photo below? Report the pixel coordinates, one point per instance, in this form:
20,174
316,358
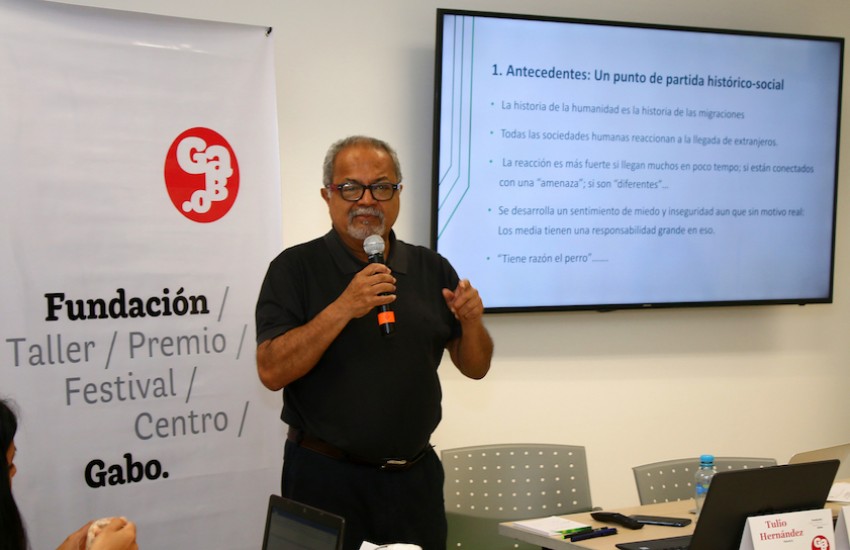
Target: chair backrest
489,484
673,480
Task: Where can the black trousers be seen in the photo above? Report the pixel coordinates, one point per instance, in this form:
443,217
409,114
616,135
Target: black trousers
379,506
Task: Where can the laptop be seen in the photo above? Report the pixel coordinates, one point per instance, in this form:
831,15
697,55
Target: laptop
736,495
291,525
840,452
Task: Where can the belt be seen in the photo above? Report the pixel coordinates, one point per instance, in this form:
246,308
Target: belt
324,448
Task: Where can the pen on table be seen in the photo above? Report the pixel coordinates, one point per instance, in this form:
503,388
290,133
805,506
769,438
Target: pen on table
604,532
575,531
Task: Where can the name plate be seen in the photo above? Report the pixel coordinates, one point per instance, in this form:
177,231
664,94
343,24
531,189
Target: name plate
809,530
842,529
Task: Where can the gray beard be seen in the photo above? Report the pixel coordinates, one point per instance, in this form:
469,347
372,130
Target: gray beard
360,232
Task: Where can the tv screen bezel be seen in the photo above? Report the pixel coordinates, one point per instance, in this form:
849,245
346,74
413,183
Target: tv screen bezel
438,69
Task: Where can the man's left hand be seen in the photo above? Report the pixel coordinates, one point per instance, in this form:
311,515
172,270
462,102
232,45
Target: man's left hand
464,302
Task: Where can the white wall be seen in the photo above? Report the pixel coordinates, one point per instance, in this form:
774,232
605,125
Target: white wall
631,386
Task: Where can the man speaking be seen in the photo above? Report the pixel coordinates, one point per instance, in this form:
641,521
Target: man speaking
361,401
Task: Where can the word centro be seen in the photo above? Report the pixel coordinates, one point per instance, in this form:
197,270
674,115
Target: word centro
123,307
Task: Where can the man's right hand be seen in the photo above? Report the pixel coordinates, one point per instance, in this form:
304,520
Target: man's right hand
373,286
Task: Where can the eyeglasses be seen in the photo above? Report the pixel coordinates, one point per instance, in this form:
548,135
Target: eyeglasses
352,191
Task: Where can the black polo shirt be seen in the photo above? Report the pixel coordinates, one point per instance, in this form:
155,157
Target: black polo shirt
373,396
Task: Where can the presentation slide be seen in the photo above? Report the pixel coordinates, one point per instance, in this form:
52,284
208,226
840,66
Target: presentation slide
586,165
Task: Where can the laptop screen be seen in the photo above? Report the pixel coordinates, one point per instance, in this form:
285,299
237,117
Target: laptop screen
839,452
291,525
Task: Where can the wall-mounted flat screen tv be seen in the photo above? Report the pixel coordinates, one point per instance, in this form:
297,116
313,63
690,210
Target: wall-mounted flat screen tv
586,164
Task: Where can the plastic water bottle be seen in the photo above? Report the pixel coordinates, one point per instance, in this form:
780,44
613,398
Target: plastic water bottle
703,478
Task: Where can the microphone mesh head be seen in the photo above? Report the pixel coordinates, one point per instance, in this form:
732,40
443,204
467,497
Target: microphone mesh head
373,244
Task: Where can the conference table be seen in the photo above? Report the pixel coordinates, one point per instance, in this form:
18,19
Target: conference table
677,509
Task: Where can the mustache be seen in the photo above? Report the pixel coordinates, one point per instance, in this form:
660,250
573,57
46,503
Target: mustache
365,211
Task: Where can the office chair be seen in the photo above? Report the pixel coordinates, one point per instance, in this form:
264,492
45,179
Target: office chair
490,484
673,480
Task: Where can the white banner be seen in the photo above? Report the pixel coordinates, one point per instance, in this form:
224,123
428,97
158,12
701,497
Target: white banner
139,211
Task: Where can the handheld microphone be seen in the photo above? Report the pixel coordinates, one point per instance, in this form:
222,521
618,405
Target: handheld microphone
373,245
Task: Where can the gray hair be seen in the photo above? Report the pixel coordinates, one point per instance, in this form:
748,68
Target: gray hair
330,157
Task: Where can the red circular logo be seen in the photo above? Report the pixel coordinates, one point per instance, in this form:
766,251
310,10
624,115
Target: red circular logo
820,542
202,175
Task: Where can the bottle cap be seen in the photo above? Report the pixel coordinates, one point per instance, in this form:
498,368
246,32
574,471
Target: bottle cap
706,459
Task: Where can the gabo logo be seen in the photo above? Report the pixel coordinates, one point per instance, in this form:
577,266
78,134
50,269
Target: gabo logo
99,474
202,175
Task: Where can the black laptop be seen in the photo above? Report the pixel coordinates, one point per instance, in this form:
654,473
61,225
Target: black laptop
736,495
291,525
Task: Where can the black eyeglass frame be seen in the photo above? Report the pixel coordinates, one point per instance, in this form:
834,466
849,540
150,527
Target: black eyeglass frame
351,185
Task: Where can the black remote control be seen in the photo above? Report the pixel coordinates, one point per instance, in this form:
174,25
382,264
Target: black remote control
618,518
